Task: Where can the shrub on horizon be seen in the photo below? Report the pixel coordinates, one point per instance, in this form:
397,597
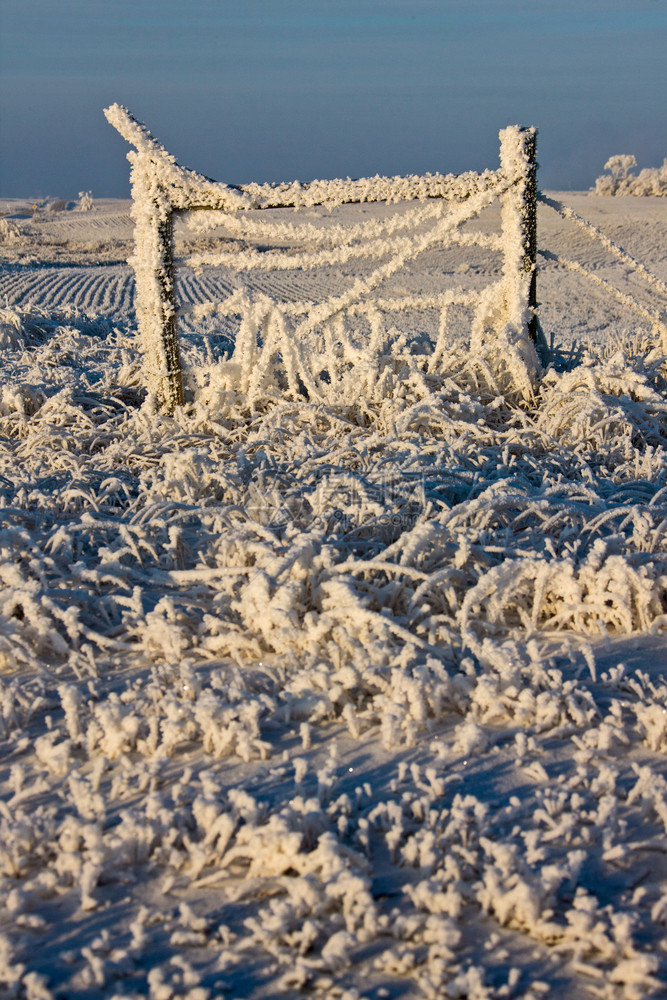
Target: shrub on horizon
620,180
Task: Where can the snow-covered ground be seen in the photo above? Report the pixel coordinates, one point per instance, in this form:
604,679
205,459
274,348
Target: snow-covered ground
353,699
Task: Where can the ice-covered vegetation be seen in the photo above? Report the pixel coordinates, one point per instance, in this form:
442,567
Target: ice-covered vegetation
352,688
251,652
620,180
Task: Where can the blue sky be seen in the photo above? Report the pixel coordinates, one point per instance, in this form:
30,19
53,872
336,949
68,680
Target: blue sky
275,89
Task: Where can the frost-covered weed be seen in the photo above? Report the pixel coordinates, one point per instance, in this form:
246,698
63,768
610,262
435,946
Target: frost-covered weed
9,233
86,202
10,329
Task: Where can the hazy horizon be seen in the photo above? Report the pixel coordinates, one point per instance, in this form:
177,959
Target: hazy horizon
280,89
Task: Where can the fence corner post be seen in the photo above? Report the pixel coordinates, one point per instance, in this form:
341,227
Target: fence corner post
518,159
152,172
153,262
171,383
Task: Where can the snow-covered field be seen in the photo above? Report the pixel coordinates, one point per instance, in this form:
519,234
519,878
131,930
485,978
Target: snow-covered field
364,699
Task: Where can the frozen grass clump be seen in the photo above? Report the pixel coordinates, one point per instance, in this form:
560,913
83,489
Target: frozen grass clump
407,517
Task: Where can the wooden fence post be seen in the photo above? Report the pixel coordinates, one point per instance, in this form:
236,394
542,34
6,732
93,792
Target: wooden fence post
518,157
171,391
529,225
153,262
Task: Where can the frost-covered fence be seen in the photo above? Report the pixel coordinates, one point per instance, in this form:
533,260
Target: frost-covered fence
317,353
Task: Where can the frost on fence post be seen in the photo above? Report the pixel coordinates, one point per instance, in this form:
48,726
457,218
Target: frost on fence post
152,260
518,159
155,305
161,187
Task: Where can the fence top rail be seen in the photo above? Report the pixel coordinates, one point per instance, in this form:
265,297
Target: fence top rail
191,191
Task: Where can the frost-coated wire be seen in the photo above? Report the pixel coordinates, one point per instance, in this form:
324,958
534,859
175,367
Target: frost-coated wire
623,297
570,215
